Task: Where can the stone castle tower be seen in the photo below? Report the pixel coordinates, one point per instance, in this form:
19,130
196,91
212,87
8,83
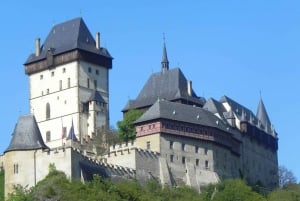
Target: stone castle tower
69,96
68,78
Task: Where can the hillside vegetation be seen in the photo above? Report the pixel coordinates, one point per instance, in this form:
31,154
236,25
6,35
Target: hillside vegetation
57,187
1,185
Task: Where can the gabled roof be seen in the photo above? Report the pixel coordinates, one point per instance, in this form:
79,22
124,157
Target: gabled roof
261,120
170,85
68,36
239,109
163,109
26,136
262,114
214,106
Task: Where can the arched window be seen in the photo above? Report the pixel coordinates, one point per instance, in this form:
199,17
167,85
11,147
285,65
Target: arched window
48,111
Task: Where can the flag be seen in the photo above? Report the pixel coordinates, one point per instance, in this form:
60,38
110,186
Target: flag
72,135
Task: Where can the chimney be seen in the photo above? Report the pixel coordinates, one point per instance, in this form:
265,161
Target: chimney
98,40
189,87
37,47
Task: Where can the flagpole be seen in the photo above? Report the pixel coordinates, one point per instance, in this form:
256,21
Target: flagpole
72,129
62,131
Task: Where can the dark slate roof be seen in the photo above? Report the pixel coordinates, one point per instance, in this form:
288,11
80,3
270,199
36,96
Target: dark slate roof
26,136
214,106
163,109
68,36
262,115
239,109
170,85
96,96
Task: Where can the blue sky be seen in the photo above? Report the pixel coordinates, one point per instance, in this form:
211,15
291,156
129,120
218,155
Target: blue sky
234,48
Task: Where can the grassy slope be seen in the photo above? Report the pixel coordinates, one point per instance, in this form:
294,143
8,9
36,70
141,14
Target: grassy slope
2,185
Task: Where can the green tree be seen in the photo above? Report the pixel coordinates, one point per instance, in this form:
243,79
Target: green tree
51,187
286,177
235,190
1,184
126,130
20,194
103,139
290,192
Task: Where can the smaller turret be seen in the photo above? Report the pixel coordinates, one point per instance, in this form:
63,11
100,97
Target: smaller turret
243,123
262,115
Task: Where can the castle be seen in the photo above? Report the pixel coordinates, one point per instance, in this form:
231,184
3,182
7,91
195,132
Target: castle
180,138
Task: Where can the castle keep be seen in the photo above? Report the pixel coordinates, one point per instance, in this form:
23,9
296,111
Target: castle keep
181,138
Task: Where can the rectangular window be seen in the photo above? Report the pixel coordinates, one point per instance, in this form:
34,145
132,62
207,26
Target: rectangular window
95,84
171,144
89,69
182,146
16,168
69,82
97,72
88,83
171,158
64,70
206,165
183,160
205,151
148,144
48,136
197,162
52,73
196,149
41,77
60,84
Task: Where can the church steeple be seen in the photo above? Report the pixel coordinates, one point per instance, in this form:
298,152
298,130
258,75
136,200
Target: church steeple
164,62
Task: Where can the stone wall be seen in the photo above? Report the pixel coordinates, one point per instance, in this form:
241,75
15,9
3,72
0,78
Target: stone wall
123,155
260,163
73,162
147,165
186,157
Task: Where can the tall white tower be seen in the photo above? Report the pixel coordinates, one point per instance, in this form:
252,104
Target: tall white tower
69,83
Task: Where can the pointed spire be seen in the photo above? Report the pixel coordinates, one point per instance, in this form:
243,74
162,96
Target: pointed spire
243,117
262,115
165,61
